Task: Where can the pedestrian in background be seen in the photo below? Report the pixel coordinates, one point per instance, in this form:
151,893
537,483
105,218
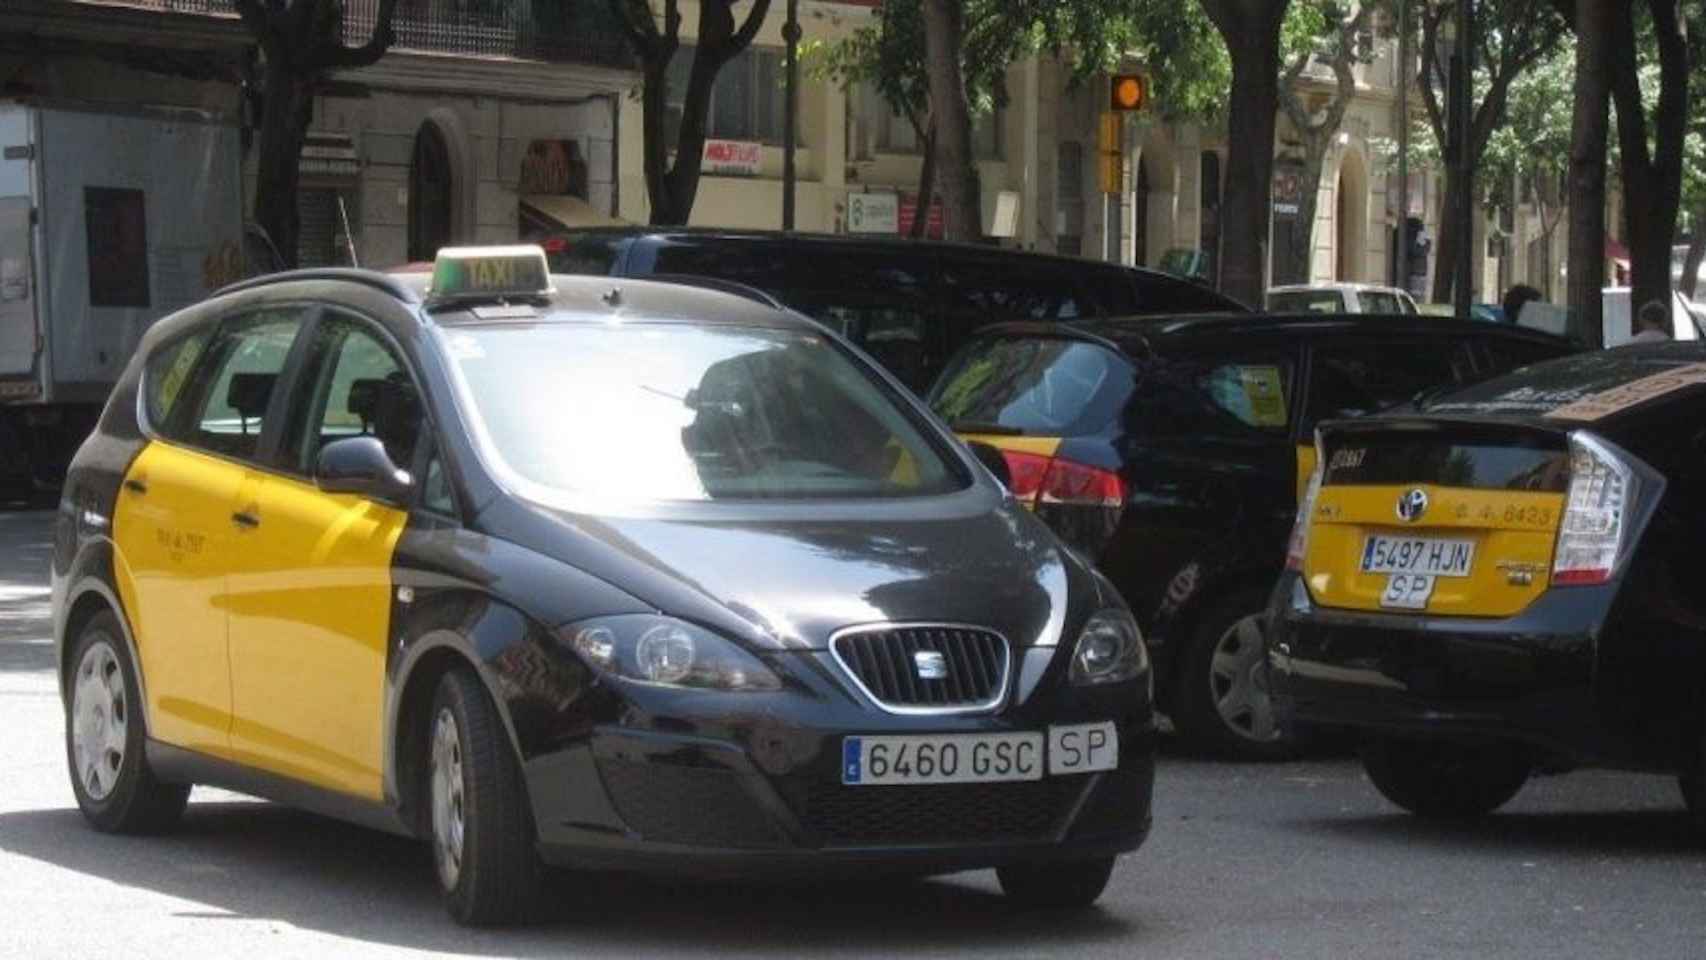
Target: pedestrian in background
1653,324
1515,298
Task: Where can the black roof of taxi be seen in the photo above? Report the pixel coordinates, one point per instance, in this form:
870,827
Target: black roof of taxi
1147,334
1583,387
573,297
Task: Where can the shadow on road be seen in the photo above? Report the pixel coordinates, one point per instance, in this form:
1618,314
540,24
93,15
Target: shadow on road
265,861
1649,834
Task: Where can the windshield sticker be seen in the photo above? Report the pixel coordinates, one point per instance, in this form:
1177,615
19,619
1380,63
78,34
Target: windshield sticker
1607,402
1262,393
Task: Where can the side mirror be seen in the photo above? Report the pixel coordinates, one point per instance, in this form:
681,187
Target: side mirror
991,457
360,465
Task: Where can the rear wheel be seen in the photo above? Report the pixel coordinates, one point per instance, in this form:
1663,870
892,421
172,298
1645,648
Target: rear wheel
481,827
104,738
1223,704
1072,883
1445,780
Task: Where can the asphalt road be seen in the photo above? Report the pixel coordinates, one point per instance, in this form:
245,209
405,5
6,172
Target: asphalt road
1286,860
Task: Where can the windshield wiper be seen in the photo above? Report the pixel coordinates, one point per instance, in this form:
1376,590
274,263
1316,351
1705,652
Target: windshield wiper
986,427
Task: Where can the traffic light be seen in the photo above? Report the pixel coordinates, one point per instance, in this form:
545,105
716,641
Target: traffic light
1109,166
1127,92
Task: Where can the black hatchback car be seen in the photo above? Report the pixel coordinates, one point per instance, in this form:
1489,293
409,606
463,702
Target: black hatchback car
1502,581
587,572
908,303
1172,451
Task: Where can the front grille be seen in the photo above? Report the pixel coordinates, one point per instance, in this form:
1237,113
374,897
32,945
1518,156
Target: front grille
884,661
846,816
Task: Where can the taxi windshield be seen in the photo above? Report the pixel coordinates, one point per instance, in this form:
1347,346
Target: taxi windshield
687,412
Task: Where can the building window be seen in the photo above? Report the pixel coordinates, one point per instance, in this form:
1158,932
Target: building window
746,100
894,133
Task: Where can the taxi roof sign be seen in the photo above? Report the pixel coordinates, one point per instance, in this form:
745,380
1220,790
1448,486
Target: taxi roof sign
490,273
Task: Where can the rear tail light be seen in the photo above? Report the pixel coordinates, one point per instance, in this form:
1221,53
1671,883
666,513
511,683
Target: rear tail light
1591,534
1038,479
1299,545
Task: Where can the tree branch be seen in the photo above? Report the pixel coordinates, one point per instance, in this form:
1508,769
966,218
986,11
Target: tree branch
338,56
1431,18
749,29
260,23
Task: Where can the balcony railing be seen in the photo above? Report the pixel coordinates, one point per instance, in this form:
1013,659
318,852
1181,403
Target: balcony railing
577,31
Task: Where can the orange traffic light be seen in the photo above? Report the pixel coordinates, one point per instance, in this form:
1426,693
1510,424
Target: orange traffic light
1127,92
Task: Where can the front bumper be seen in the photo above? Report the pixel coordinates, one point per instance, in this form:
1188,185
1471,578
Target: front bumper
1528,679
704,791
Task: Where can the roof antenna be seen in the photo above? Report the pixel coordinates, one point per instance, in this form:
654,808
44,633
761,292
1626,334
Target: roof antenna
613,298
349,238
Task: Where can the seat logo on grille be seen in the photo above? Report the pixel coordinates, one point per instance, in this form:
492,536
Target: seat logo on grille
1412,504
930,665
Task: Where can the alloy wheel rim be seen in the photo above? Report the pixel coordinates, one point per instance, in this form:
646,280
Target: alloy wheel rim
100,721
1239,684
448,813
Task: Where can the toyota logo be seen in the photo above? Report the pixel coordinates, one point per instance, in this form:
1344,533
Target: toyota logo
1411,505
931,665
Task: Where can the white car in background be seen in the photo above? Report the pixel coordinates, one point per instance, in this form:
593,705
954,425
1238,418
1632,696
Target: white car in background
1340,298
1687,320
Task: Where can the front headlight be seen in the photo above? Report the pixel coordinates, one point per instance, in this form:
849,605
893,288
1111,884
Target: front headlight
667,652
1110,649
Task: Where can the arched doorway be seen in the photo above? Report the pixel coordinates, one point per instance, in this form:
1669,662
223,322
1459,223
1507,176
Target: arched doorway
431,193
1350,218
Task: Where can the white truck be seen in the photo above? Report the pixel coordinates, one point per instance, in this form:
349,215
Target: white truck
111,217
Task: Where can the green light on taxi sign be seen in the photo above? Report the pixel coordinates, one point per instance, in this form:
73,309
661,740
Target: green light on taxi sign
517,271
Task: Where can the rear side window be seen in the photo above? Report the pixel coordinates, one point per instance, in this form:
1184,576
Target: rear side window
1034,385
583,253
1356,378
167,374
999,289
1375,302
224,410
1235,397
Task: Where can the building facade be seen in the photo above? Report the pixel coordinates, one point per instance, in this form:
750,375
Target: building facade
486,121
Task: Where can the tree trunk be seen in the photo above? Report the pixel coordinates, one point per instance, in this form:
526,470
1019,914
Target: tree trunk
1445,242
1696,252
1301,250
1250,29
1589,129
1652,183
285,112
654,114
926,185
962,213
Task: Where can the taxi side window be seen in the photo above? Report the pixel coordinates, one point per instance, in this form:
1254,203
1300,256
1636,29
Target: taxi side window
359,389
1237,398
167,375
246,359
1353,379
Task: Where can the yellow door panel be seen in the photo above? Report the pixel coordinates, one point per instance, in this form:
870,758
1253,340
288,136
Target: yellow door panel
310,604
1511,534
172,530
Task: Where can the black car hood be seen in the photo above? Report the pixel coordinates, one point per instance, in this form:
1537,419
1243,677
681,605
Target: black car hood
790,580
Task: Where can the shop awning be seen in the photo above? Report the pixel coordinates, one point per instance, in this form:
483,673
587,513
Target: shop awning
551,212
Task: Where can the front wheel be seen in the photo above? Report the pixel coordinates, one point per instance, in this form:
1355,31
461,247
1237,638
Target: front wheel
1223,703
481,827
1072,883
104,739
1445,780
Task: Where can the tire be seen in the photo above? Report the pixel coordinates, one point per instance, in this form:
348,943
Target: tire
1445,781
1222,704
105,740
478,821
1073,883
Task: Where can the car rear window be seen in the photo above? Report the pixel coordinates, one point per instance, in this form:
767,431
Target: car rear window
583,253
1307,301
1048,386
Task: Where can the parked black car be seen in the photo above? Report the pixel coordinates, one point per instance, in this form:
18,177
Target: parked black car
1503,581
1172,451
910,304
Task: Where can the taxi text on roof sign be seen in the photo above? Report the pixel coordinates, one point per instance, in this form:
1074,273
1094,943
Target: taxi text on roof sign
520,271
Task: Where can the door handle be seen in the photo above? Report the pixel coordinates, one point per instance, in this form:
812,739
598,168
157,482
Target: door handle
136,486
243,518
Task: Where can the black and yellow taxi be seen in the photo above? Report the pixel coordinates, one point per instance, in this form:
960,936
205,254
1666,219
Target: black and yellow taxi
1500,582
1172,450
586,572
